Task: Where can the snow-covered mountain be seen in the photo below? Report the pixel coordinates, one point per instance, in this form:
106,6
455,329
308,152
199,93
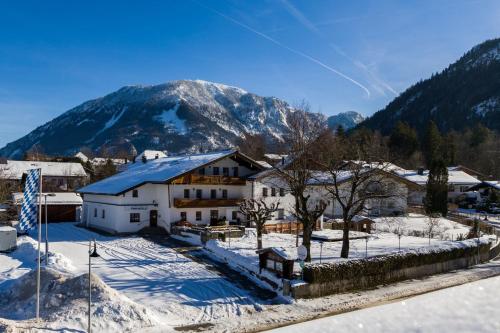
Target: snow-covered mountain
463,95
347,120
178,116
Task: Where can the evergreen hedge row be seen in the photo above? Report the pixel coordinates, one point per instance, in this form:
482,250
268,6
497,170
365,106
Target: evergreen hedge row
377,268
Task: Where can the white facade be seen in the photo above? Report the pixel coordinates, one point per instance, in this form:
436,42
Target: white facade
135,209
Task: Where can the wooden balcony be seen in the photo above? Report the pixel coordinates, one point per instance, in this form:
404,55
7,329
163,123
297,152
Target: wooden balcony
206,203
209,180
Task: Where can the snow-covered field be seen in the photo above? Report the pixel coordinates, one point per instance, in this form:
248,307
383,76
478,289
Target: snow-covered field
240,252
418,224
471,307
178,290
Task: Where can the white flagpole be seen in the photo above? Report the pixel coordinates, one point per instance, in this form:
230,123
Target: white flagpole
39,241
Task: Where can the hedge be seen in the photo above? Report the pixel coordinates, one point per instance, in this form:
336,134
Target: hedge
376,268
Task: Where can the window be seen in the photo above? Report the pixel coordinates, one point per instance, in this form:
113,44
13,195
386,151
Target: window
224,194
216,171
186,193
270,264
135,217
95,212
198,194
135,194
282,192
463,188
225,172
201,171
281,214
183,216
234,215
236,172
273,191
264,191
213,194
214,215
198,216
103,213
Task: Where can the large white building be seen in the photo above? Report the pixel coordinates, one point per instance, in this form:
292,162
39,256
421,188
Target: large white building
199,189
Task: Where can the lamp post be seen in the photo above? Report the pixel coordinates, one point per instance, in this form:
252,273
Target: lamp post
47,228
92,254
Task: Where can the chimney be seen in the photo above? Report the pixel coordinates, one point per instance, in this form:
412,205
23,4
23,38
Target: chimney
420,171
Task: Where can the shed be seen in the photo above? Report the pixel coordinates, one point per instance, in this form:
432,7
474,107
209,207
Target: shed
358,223
8,238
277,260
62,207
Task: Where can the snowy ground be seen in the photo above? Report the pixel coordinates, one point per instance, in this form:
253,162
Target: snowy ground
414,224
240,252
471,307
179,290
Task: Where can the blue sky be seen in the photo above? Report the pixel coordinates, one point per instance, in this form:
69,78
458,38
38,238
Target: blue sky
337,55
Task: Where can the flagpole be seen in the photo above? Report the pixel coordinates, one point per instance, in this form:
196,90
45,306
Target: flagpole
39,241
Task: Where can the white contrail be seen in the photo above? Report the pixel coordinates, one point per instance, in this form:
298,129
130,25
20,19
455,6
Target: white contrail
297,52
302,19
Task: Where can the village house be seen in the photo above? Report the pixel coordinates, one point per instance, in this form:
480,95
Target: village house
200,189
61,206
459,182
56,176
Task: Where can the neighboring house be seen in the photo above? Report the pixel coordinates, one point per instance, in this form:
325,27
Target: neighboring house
485,188
61,207
458,183
57,176
150,155
99,161
200,189
472,172
272,189
396,204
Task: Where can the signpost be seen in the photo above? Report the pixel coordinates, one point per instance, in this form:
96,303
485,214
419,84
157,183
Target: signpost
302,255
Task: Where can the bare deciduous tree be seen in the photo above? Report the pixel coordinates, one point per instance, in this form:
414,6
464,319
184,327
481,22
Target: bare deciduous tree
433,225
258,212
305,131
356,177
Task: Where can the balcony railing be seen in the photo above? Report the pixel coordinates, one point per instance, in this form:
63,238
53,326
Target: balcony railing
209,180
206,203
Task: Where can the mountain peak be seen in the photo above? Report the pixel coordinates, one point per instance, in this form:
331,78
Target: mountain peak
178,116
347,120
461,96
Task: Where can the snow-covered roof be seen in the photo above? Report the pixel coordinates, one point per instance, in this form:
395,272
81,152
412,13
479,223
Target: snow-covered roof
493,183
154,171
275,157
151,154
456,177
280,251
16,169
60,198
265,164
82,156
96,161
386,166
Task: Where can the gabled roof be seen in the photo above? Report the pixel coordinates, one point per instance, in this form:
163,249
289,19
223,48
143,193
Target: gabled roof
151,154
495,184
59,198
455,177
157,171
16,169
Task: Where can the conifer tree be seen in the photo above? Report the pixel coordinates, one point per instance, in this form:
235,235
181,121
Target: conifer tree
432,144
436,200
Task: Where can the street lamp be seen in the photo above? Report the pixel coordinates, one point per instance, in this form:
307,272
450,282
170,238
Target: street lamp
47,228
92,254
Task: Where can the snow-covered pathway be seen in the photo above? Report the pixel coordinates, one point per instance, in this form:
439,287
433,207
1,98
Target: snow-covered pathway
181,290
471,307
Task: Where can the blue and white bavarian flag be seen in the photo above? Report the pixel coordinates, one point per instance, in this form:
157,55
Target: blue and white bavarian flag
29,209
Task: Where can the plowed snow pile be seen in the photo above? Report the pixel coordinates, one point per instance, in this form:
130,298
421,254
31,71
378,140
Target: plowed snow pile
63,305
